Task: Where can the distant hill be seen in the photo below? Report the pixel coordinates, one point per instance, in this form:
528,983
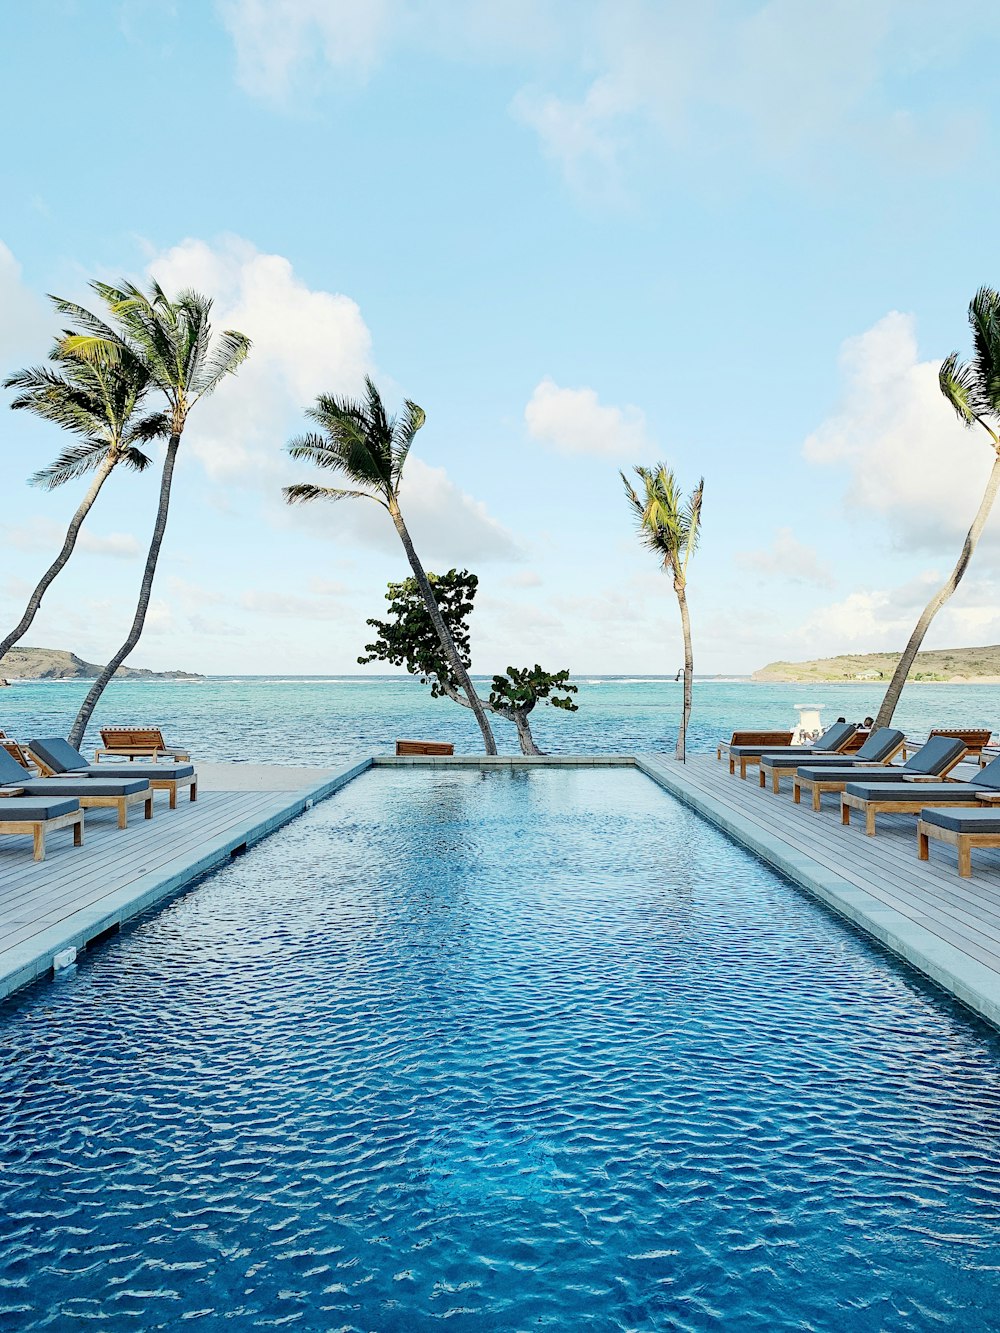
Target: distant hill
956,666
55,664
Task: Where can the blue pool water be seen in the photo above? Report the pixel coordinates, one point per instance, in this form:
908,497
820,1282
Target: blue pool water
496,1051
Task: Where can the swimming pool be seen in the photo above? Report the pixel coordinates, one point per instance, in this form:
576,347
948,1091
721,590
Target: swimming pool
511,1049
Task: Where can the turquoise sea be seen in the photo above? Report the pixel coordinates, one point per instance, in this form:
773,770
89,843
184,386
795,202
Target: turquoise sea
326,720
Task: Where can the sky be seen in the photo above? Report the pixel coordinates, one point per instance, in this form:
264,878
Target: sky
734,237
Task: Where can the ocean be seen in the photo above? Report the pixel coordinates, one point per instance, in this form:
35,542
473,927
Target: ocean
326,721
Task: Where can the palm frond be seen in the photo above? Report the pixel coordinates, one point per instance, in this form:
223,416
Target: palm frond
403,432
229,353
135,459
957,381
303,491
984,317
665,524
73,462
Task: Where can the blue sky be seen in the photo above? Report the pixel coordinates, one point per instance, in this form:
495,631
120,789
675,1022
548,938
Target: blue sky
735,237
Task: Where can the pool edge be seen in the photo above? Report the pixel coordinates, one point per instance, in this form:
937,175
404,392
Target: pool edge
963,978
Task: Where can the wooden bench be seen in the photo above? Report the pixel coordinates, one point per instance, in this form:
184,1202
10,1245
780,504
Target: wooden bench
138,743
424,747
754,738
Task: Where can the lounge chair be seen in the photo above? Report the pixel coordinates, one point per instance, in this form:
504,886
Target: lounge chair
18,751
138,743
880,748
114,793
831,742
768,738
964,829
424,747
888,794
975,740
57,757
37,816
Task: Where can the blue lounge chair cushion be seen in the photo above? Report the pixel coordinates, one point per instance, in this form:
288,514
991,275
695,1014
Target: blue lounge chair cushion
880,746
936,756
73,786
964,821
22,809
914,793
138,770
58,754
989,776
846,773
11,772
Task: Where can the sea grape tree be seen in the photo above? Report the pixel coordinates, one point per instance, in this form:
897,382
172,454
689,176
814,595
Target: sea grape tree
408,638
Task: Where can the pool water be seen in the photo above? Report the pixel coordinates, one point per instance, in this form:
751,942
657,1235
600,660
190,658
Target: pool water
496,1051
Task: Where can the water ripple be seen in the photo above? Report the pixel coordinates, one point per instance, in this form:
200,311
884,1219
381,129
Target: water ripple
534,1051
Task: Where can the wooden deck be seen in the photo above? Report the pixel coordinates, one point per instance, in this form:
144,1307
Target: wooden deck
78,894
947,927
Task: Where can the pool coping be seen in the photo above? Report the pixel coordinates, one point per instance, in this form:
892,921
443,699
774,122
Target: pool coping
961,976
33,958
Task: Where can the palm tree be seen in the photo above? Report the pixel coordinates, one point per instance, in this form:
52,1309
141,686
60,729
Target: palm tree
99,403
973,389
173,342
669,526
369,448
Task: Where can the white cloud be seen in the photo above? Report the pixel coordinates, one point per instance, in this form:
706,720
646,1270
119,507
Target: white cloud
281,41
573,421
909,458
449,527
788,558
25,325
304,342
585,138
44,534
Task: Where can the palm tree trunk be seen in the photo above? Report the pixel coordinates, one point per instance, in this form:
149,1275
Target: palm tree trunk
681,751
891,700
447,642
97,689
62,559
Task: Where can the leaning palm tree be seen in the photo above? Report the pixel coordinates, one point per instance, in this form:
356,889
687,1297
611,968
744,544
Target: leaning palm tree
173,342
99,403
369,448
973,389
670,527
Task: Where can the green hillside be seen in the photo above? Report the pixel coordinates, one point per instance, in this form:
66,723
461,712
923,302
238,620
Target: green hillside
957,665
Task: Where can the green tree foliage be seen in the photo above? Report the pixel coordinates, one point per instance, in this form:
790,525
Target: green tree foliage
362,443
670,527
410,640
99,405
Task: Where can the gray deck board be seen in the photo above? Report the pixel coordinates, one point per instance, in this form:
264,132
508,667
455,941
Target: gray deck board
946,926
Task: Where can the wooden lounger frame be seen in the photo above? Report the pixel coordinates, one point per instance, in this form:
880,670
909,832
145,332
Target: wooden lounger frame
871,808
424,747
138,743
964,842
753,738
170,785
38,828
818,785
